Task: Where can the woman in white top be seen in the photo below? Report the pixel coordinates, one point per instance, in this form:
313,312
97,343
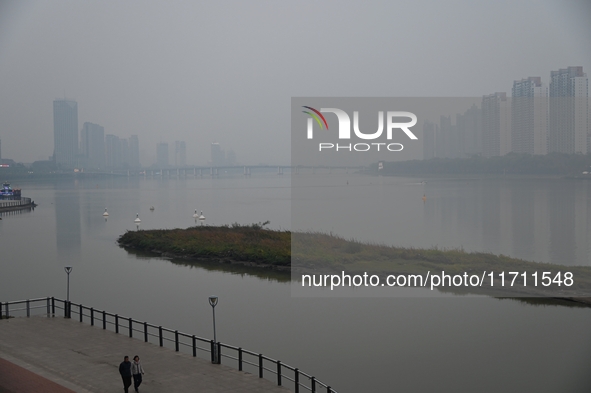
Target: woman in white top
137,371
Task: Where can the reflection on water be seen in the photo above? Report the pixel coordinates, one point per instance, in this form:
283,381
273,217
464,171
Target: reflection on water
67,225
237,268
546,220
561,209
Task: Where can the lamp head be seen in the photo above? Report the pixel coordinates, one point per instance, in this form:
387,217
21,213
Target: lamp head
68,269
213,301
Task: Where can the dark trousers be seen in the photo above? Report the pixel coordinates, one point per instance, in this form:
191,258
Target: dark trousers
126,383
137,380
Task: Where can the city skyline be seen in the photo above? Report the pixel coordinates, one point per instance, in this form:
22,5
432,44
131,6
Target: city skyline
517,125
192,79
534,119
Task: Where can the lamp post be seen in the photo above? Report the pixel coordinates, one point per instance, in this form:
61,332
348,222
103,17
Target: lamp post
68,270
213,301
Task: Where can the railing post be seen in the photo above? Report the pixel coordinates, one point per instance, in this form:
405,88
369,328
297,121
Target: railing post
296,380
47,309
260,365
240,359
278,373
328,389
0,310
7,310
130,327
160,334
116,323
145,331
176,340
219,352
81,312
91,316
313,384
28,308
52,305
104,319
212,346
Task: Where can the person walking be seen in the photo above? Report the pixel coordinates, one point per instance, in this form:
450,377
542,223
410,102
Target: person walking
125,371
137,370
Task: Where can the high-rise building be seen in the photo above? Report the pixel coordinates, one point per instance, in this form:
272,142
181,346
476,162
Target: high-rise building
162,154
92,145
231,158
470,131
496,125
449,142
124,152
429,140
112,151
529,116
568,131
134,152
218,156
180,153
65,133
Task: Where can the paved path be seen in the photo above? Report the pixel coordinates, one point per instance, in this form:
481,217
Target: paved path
85,359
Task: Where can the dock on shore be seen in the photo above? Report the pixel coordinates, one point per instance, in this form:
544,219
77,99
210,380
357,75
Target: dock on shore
86,358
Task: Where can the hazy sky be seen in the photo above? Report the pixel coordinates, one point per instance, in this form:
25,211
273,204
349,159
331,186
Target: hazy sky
225,71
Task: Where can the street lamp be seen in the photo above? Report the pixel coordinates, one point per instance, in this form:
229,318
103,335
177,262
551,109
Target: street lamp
68,270
213,301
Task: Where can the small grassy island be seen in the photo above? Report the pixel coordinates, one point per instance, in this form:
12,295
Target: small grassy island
318,253
248,244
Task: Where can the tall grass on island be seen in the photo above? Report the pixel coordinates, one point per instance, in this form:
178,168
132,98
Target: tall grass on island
240,243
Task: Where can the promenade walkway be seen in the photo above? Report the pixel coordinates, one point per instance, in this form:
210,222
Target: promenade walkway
85,359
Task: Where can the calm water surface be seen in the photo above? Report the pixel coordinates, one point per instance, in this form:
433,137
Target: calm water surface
444,343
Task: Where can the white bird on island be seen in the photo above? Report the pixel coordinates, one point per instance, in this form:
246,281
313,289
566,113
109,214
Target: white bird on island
137,218
201,217
195,215
105,213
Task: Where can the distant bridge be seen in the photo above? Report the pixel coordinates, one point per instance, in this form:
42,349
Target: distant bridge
216,171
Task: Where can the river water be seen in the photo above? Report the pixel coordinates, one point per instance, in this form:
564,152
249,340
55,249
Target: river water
443,343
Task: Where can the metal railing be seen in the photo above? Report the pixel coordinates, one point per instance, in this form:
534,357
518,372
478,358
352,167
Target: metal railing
14,201
242,359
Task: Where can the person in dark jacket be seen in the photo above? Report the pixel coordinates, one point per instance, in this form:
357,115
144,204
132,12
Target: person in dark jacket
125,371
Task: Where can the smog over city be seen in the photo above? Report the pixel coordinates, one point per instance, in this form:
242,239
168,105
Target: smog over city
205,72
331,196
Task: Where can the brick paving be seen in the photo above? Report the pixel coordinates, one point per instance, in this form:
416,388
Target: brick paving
15,379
